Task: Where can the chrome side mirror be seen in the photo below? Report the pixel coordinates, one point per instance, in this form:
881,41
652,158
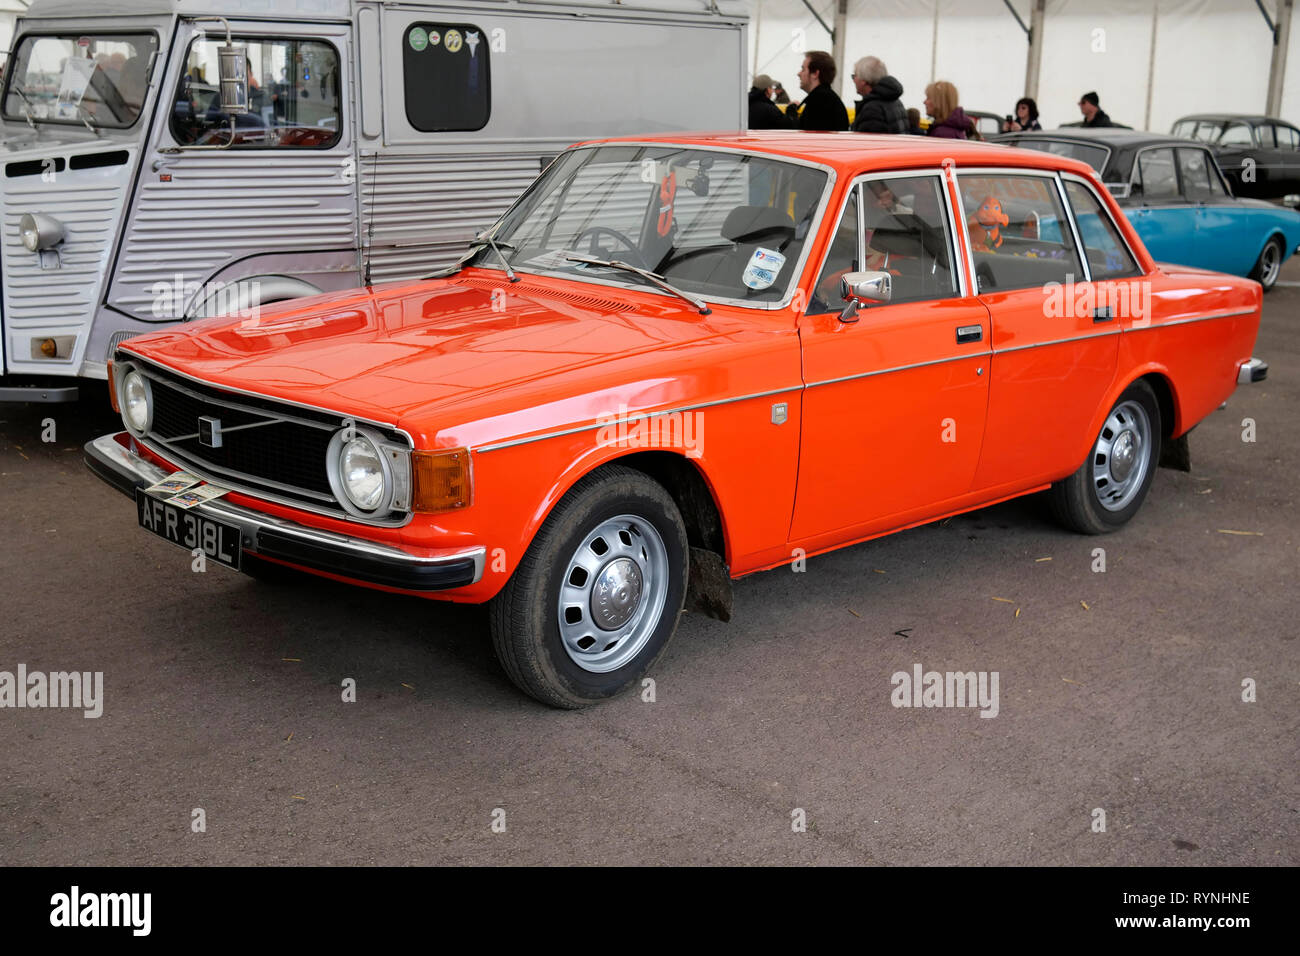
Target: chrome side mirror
232,69
860,288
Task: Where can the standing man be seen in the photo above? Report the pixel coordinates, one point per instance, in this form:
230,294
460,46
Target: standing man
822,108
1093,115
880,110
763,113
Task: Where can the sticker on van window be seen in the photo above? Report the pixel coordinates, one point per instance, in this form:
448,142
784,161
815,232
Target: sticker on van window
418,39
452,39
764,266
434,38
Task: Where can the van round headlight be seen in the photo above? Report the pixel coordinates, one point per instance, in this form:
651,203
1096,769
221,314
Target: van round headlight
137,402
361,472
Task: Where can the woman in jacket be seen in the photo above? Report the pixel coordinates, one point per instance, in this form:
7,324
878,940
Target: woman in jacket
1026,117
949,119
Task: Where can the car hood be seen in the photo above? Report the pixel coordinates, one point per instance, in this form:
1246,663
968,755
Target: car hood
466,360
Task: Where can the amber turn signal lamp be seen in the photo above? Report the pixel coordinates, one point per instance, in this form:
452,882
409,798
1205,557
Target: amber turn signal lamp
49,348
112,389
440,480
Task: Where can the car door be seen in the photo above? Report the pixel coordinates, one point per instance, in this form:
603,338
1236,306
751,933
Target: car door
1286,168
1226,237
1160,213
1054,348
895,396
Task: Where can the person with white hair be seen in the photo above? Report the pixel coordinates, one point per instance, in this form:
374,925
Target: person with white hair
881,108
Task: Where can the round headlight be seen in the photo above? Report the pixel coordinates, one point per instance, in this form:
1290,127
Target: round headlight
31,239
362,470
39,231
136,401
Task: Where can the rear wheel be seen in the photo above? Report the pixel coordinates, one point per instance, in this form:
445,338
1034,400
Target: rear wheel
595,600
1269,265
1109,488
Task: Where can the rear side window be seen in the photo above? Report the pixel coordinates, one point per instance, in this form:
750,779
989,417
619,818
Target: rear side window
1156,174
1108,257
446,77
1200,179
1287,138
1237,134
1017,230
293,96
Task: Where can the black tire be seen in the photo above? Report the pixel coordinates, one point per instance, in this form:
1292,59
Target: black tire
525,617
268,572
1269,264
1092,500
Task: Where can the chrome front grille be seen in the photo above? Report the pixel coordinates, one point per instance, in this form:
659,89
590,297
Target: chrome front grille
269,449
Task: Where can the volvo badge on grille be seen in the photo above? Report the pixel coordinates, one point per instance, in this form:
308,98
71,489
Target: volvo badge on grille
210,431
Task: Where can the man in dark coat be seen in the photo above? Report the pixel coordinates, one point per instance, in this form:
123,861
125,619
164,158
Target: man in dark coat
881,108
763,113
822,108
1093,115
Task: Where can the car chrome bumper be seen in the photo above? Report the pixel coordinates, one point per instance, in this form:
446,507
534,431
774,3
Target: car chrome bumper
266,535
1255,370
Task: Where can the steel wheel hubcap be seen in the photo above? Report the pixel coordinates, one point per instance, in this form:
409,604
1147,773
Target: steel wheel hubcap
613,593
1122,456
1272,264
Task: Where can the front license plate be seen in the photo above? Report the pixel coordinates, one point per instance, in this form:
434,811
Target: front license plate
220,542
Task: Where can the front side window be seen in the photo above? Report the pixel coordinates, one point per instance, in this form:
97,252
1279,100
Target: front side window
1018,231
100,78
1156,175
1108,257
294,89
446,77
712,223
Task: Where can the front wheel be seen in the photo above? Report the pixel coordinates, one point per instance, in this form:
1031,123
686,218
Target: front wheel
1108,489
595,600
1269,265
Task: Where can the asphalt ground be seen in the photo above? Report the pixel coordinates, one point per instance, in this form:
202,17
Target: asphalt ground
771,739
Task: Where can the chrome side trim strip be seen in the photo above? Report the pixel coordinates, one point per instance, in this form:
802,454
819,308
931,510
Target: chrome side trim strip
1073,338
1198,318
646,415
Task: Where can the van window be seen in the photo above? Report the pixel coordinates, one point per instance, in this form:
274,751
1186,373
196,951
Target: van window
99,78
446,77
293,96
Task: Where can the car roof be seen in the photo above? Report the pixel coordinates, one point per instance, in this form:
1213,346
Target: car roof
1103,135
845,151
1230,117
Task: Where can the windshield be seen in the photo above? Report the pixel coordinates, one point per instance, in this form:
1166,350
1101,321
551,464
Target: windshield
715,224
102,78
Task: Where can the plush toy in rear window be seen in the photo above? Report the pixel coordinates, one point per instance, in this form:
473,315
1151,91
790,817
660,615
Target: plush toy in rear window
986,225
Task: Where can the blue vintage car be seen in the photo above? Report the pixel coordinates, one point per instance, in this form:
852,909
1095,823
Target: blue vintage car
1178,200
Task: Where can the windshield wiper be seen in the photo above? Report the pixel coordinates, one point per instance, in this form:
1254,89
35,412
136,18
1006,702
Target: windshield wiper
28,108
486,240
646,274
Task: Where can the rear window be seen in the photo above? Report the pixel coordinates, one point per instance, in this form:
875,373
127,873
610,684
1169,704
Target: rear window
1094,156
446,77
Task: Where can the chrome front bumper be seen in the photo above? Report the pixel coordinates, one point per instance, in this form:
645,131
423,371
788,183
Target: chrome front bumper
266,535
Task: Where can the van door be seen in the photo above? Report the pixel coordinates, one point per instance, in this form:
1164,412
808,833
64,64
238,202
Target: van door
271,200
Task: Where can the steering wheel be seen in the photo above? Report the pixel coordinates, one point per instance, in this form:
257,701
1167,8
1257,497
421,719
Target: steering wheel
631,246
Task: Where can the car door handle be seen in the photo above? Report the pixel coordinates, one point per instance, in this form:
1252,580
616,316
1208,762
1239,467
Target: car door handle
1103,313
969,333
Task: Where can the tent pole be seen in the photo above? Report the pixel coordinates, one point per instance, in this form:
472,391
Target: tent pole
1277,68
1151,63
1034,61
838,36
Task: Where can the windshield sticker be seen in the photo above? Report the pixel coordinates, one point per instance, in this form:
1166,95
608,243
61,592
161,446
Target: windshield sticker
667,196
418,39
451,39
763,268
434,38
